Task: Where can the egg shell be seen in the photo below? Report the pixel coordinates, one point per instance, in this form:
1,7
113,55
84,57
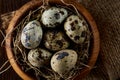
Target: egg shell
63,61
53,16
76,28
55,40
31,35
39,57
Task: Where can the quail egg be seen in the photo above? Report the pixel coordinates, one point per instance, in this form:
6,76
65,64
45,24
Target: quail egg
31,35
76,28
63,61
39,57
55,40
53,16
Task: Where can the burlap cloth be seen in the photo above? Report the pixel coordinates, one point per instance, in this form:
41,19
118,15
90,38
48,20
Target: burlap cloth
107,16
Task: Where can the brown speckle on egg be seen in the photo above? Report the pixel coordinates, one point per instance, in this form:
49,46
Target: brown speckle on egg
69,30
83,34
63,62
76,38
53,16
53,62
71,35
72,28
38,57
55,40
76,21
72,24
70,19
84,23
60,43
57,15
76,28
62,12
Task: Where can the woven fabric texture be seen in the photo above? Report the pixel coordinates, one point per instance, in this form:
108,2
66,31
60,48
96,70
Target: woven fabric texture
107,16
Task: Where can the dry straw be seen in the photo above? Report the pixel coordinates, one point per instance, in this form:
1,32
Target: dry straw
20,53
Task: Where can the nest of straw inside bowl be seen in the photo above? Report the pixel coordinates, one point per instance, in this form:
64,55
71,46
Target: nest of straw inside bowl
47,73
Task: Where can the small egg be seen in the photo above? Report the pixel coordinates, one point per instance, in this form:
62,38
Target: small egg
31,35
76,28
63,61
53,16
55,40
39,57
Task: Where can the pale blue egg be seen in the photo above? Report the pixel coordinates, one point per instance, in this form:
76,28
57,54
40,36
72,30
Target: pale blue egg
31,35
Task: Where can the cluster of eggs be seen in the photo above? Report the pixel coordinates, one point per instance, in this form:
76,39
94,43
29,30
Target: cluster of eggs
64,59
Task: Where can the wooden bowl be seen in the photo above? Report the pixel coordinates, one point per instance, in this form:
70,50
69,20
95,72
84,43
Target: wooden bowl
36,3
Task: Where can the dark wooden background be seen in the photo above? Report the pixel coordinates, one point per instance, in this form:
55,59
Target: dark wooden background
5,7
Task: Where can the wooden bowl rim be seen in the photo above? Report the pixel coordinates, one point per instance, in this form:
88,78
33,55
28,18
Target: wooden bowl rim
33,4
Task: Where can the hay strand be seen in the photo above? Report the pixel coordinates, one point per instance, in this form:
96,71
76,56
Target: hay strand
20,51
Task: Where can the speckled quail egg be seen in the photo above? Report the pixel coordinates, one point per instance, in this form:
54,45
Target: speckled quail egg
53,16
31,35
39,57
63,61
76,28
55,40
